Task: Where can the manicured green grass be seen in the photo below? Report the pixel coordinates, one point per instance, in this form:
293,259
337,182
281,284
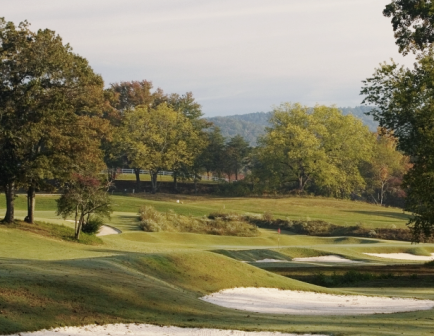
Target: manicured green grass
159,277
340,212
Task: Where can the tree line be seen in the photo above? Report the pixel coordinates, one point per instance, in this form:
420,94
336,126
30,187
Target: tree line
60,127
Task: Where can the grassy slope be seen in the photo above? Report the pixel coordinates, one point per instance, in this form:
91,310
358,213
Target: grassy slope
340,212
158,277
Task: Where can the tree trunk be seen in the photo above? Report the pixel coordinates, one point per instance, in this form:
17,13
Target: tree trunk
10,197
175,181
154,176
80,225
137,172
195,185
382,191
300,184
31,200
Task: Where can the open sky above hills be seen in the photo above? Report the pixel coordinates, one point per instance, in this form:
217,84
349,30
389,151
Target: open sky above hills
236,56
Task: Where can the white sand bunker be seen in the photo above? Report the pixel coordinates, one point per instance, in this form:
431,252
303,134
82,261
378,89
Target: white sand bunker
275,301
107,230
329,258
147,330
402,256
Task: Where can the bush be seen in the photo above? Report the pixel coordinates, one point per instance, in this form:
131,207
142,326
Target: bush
93,225
227,224
267,216
236,188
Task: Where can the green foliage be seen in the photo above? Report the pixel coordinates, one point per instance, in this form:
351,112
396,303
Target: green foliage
383,173
93,225
404,103
251,126
216,224
48,95
157,139
412,22
236,189
235,153
318,145
83,196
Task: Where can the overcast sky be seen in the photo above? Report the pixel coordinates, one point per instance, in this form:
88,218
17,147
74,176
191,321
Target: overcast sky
237,56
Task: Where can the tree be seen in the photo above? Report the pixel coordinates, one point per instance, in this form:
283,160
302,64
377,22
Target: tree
318,145
234,153
84,195
48,95
156,139
384,171
413,23
404,102
212,157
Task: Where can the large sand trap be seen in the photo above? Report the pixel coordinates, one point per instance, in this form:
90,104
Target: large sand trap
402,256
275,301
329,258
147,330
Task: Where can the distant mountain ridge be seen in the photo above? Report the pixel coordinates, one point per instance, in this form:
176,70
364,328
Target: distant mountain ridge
252,125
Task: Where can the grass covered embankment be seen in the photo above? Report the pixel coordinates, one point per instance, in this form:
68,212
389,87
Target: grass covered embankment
335,211
88,287
158,277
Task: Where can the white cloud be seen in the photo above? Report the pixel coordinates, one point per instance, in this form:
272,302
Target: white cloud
236,56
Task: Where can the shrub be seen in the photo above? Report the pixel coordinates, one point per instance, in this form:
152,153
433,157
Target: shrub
267,216
430,263
93,225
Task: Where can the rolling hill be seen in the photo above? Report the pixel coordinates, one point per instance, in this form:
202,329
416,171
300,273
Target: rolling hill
252,125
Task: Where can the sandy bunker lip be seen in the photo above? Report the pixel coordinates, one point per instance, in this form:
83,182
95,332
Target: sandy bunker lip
329,258
401,256
148,330
275,301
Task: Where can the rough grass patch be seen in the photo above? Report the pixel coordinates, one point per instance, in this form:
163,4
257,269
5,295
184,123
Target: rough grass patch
216,223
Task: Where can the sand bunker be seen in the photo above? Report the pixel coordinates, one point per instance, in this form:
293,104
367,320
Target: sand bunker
107,230
329,258
275,301
270,261
147,330
402,256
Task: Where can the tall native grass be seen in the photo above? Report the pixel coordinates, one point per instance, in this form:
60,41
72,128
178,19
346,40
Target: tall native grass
223,224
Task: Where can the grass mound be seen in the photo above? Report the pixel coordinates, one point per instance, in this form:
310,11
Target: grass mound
152,220
325,229
252,255
55,231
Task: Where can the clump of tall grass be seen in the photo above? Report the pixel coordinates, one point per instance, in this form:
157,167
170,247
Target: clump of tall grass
223,224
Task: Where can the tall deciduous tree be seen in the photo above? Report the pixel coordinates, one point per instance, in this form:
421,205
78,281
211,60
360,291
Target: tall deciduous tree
318,144
50,103
413,23
235,151
212,158
404,102
384,171
156,139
